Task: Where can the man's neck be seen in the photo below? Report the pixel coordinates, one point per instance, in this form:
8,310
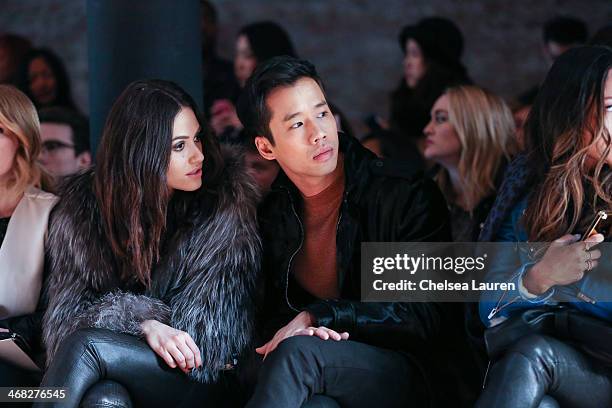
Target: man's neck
312,186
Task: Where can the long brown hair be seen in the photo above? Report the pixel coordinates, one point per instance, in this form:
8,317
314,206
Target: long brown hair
130,177
485,127
568,119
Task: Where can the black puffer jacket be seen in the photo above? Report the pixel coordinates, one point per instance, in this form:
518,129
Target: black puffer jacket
379,205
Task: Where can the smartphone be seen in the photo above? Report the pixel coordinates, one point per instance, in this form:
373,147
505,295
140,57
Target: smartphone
602,224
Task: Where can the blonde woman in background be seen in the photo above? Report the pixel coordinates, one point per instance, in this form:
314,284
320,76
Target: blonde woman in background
24,211
470,137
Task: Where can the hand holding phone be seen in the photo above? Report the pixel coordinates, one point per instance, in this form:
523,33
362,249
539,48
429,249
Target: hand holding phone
601,224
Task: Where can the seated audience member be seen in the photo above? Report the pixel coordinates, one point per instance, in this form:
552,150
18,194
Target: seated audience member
65,142
24,211
432,62
43,77
566,181
331,195
13,49
153,259
218,73
470,137
256,43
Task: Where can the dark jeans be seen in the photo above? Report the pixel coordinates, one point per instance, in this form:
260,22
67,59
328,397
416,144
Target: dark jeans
349,373
541,368
88,356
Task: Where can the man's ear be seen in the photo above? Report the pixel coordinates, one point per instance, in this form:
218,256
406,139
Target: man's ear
84,160
265,148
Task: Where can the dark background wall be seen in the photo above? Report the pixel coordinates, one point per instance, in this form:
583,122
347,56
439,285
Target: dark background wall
352,42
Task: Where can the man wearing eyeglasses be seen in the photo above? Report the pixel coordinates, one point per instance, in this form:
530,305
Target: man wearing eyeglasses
65,142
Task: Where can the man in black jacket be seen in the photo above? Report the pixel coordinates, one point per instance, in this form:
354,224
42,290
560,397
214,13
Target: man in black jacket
332,195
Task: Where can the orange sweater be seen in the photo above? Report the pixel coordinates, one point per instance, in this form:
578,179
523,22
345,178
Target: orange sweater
315,267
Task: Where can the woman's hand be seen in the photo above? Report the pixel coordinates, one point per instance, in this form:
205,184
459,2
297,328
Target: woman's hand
564,263
176,347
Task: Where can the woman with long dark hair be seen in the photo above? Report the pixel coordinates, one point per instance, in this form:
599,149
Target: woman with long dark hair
44,79
566,182
432,62
255,43
158,241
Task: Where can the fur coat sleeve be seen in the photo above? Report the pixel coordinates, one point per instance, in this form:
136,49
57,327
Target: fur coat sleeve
81,287
209,278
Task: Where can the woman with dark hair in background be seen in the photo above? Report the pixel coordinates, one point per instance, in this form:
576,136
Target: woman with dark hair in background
432,62
158,242
43,77
566,181
256,43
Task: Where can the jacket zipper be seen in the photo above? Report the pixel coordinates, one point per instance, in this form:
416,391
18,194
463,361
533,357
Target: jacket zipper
300,246
343,204
294,254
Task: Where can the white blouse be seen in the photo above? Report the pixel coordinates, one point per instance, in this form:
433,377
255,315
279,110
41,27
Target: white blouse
22,253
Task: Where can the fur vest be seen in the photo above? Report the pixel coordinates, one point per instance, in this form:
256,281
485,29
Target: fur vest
204,283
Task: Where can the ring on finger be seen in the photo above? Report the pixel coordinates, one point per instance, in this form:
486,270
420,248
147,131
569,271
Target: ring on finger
589,264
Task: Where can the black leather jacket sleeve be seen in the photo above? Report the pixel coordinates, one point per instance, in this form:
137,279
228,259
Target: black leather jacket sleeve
381,323
411,212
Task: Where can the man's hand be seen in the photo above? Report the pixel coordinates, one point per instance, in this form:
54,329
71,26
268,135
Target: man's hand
176,347
301,325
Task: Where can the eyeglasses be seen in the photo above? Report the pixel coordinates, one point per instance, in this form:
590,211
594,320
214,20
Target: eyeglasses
51,146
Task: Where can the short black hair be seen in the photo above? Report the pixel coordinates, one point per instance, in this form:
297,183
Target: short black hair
77,123
565,31
276,72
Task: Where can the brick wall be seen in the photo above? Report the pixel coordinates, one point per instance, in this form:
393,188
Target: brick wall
352,42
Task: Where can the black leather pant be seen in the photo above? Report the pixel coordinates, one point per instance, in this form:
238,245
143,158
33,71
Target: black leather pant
541,370
305,371
131,369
